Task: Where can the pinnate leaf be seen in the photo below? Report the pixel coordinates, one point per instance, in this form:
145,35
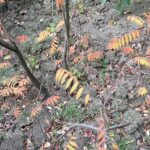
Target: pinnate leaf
51,100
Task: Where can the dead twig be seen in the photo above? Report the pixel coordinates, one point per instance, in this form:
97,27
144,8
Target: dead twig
83,125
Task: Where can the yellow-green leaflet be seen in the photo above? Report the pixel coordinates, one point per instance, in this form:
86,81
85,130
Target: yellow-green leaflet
69,147
69,82
61,75
72,143
64,78
79,93
57,74
74,87
87,99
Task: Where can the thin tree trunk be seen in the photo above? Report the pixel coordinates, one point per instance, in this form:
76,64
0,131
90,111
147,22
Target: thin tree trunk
67,18
67,28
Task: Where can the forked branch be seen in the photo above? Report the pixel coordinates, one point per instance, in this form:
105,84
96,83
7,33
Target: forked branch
7,42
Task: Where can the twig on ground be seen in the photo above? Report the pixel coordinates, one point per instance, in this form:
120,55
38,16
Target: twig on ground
82,125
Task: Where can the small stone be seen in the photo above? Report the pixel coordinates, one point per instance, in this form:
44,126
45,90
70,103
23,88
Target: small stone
37,7
47,145
92,77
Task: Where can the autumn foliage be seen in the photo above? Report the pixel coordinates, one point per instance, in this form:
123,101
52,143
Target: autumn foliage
80,52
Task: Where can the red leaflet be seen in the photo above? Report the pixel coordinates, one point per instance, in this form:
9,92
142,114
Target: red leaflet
127,50
22,39
71,50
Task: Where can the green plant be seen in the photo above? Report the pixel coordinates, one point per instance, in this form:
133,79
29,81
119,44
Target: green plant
123,4
33,61
104,63
103,2
79,75
81,7
73,112
123,144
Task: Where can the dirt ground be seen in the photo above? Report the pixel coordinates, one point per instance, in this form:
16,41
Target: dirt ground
112,82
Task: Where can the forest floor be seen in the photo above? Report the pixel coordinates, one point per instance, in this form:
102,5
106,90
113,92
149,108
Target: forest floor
112,81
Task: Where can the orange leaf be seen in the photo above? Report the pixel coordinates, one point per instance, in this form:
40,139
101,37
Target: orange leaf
59,3
148,51
71,49
19,91
95,55
4,65
84,41
7,91
36,110
101,135
59,62
6,105
2,1
127,50
54,46
51,100
17,112
78,59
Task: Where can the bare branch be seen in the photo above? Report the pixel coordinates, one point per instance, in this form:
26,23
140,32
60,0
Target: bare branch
82,125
